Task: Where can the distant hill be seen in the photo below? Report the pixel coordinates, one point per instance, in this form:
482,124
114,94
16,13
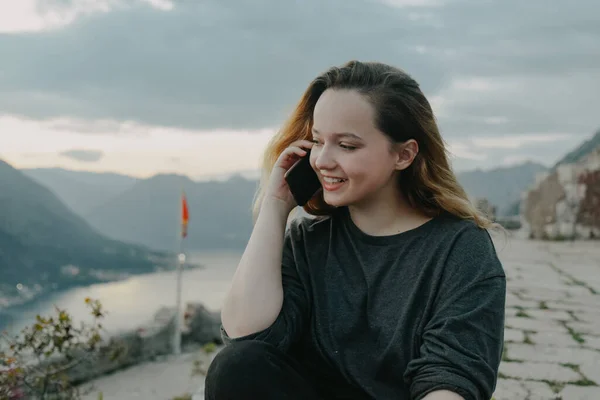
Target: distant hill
581,151
501,186
80,190
149,213
43,244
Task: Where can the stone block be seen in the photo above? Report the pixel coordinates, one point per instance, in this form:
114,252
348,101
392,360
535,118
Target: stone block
513,335
590,341
572,392
538,391
509,389
538,371
591,372
554,339
530,324
588,328
553,315
548,354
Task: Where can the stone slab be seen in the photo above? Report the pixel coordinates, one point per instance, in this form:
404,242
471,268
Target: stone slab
590,341
554,339
589,328
514,335
538,391
591,371
548,354
509,389
538,371
572,392
536,325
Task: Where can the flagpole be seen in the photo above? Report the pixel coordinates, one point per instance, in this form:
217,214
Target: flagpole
177,334
181,259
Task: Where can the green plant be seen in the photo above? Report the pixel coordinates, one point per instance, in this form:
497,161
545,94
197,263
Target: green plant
209,347
36,362
185,396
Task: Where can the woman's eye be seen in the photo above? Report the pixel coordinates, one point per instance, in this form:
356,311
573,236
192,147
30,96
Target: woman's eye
315,141
347,147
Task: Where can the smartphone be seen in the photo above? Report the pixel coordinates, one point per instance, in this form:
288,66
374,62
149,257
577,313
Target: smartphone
303,180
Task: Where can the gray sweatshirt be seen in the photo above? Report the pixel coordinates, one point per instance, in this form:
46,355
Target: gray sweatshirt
391,317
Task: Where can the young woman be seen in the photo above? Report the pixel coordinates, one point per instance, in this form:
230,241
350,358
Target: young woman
394,290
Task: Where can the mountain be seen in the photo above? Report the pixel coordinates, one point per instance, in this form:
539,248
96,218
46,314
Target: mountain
44,245
149,213
501,186
81,191
581,151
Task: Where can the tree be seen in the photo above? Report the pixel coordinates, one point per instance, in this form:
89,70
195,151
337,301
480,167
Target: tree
36,362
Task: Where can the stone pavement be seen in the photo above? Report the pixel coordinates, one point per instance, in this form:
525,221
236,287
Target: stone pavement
552,335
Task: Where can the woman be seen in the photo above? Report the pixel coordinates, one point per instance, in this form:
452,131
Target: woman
394,290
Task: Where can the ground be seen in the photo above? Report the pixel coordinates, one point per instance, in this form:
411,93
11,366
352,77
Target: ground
552,336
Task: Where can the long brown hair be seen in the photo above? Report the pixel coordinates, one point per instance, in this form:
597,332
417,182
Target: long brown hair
402,113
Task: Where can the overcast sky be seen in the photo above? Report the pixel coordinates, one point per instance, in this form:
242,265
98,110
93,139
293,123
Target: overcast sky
198,87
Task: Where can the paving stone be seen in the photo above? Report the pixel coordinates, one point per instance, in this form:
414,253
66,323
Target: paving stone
554,294
587,299
534,287
591,371
589,328
556,315
509,389
530,324
538,391
591,308
588,316
572,392
511,312
586,273
538,371
590,341
595,286
514,335
548,354
554,339
513,302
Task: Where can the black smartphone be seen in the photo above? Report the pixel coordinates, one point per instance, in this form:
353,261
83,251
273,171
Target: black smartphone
302,180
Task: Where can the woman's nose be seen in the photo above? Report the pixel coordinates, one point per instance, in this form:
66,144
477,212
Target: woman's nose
324,159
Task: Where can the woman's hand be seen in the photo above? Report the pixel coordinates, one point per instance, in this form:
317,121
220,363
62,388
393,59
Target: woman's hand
277,188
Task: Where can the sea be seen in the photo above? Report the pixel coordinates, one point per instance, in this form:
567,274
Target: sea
132,302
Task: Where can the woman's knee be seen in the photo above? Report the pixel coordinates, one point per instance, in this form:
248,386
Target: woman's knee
239,361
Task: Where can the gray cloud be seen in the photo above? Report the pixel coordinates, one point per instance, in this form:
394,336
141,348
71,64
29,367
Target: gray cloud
83,155
239,64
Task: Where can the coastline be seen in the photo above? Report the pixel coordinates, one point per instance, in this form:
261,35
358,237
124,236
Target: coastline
19,304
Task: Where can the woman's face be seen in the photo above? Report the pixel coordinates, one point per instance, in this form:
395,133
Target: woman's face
353,159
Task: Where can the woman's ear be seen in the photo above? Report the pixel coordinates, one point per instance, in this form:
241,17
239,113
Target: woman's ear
406,151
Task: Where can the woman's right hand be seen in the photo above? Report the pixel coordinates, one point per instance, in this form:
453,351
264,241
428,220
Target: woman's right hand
277,187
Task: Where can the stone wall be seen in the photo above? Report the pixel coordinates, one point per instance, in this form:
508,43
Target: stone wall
565,203
485,207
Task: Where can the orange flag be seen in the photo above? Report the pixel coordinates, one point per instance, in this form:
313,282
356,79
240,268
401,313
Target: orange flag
185,215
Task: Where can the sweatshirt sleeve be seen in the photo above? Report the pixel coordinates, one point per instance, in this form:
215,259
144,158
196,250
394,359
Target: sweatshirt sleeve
462,342
293,317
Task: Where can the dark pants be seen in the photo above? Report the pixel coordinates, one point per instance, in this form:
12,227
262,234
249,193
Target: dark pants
256,370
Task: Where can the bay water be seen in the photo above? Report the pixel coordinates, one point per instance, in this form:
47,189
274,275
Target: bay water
132,302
